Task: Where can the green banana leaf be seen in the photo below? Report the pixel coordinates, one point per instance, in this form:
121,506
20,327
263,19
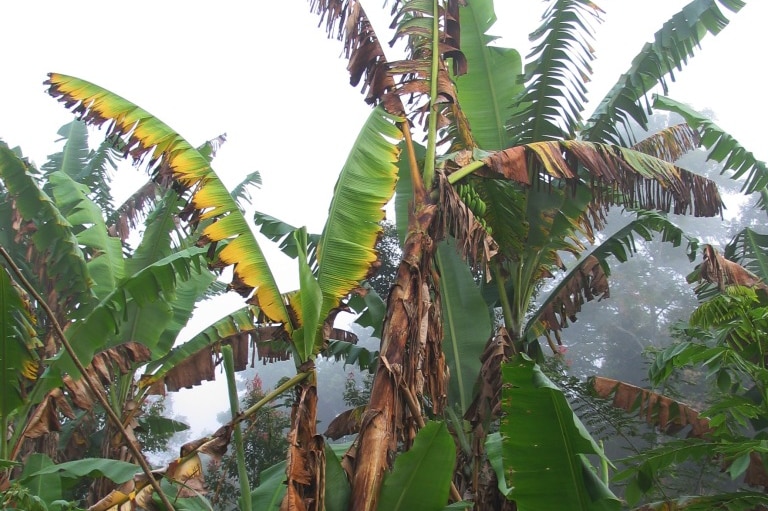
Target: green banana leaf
421,477
152,287
545,446
269,494
90,168
671,48
115,470
486,92
466,325
46,486
63,262
366,183
105,265
559,65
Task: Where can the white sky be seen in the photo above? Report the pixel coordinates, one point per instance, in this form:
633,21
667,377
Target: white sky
267,76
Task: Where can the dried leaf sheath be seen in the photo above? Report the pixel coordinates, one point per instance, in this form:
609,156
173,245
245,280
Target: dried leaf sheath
170,157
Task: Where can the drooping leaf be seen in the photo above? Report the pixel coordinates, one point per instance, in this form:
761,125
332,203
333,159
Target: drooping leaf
723,148
548,449
493,448
114,470
750,249
169,156
626,177
669,415
280,232
242,191
191,363
587,280
354,355
421,477
671,143
718,270
671,48
349,23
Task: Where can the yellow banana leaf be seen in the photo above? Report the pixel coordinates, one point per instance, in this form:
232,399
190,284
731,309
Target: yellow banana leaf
168,155
367,182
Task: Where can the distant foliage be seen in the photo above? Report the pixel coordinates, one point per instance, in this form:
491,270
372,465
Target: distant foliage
264,438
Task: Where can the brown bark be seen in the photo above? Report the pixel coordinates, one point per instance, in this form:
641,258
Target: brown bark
305,469
386,420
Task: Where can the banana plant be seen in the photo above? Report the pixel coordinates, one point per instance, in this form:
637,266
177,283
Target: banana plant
344,252
512,189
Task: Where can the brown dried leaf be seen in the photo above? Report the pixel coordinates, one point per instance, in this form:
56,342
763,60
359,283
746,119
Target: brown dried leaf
671,143
346,423
473,242
668,415
305,468
588,282
619,176
720,271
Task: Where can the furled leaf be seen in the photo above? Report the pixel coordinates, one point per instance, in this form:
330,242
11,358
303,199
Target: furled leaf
421,477
306,304
337,488
544,445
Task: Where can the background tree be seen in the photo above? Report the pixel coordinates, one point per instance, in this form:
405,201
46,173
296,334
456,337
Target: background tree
265,445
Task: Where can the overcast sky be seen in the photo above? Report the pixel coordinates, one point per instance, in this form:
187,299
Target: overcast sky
266,75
